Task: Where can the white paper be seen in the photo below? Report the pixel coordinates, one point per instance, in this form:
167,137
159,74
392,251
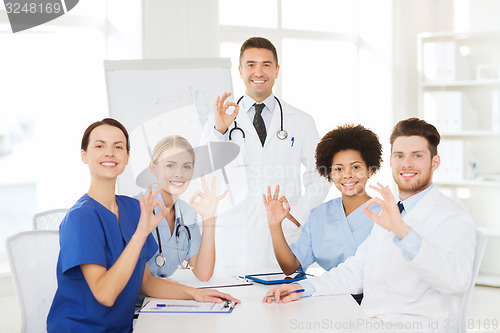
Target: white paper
158,305
186,277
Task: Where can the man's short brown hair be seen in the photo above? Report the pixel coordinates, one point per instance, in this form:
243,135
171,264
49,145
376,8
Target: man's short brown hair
417,127
259,43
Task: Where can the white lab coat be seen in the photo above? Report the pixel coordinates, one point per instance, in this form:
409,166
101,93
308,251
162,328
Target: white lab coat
427,289
243,241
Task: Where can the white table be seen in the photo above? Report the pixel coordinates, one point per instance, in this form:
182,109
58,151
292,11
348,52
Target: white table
338,313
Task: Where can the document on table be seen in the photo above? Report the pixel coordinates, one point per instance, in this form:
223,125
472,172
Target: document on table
219,282
157,305
223,281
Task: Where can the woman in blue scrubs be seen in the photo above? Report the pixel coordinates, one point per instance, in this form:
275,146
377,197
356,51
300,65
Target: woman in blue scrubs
180,243
347,156
106,243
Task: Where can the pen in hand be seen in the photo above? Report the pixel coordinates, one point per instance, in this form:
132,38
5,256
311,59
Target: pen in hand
286,293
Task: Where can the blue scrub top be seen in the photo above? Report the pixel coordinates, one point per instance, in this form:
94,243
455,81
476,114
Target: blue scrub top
329,237
171,250
90,233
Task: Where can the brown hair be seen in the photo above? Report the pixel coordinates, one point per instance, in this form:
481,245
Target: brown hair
259,43
105,121
417,127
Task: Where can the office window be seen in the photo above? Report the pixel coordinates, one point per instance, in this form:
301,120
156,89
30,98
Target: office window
255,13
52,87
96,9
325,73
320,15
232,51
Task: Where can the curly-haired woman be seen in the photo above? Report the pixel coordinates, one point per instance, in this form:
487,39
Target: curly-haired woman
347,156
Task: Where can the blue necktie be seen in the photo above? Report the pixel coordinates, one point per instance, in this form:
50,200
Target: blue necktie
258,123
401,207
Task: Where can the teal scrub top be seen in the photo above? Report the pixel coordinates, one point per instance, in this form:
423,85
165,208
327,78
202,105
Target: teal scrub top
174,250
90,233
329,237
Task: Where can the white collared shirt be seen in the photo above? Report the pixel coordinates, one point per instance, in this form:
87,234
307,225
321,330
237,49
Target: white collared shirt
247,104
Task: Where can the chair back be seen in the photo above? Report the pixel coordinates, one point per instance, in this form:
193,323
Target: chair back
478,258
33,259
49,220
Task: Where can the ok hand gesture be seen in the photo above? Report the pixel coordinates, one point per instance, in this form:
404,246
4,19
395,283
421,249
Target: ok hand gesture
148,220
276,209
207,204
222,119
389,218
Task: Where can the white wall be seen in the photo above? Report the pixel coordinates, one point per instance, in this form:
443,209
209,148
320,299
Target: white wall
410,18
414,16
484,15
180,29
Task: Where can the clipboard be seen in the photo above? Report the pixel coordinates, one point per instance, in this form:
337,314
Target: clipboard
278,278
157,305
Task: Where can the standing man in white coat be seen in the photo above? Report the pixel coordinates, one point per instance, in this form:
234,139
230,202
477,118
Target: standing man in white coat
276,140
416,265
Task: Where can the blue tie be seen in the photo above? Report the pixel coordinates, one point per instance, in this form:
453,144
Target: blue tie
401,207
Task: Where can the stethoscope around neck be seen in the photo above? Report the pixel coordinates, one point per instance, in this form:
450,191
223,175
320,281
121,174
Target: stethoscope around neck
160,258
280,134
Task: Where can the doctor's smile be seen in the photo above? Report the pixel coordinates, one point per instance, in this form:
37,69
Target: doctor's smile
177,183
349,186
109,164
408,174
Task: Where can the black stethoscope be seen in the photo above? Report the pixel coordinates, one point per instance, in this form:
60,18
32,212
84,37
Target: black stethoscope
160,258
280,134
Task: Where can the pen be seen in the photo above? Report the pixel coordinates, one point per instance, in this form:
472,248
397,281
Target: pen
287,293
164,305
241,277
